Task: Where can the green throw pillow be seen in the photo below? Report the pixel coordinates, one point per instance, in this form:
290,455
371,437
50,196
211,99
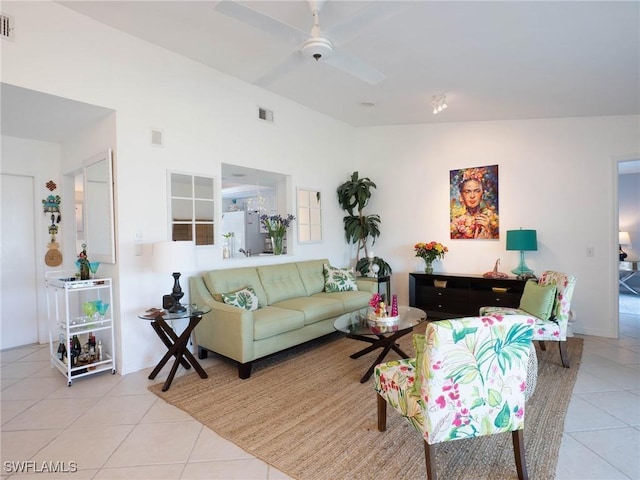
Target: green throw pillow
418,346
339,279
538,299
245,298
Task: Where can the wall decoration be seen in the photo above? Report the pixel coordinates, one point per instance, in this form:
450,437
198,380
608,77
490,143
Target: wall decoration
51,204
473,194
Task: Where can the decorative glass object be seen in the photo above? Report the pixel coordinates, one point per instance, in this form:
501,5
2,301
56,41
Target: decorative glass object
93,267
428,266
102,309
277,243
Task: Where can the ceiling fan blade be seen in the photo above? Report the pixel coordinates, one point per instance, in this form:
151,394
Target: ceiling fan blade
261,21
294,60
354,67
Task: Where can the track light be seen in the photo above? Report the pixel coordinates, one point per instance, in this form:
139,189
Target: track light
438,103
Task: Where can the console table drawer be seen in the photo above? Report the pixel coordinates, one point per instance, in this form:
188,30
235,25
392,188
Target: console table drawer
463,295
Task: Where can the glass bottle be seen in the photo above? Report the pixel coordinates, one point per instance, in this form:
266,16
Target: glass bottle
62,349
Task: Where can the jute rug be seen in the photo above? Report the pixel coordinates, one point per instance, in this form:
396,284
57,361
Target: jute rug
305,412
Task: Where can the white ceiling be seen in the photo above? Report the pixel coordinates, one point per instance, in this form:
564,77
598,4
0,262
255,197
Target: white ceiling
502,60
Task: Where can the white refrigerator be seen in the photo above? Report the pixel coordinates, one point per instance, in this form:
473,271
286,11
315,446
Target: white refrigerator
246,231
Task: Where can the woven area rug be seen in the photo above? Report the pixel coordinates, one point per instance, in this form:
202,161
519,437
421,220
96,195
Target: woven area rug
305,412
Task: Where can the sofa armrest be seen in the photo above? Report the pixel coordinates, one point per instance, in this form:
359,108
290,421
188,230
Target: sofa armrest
367,284
226,330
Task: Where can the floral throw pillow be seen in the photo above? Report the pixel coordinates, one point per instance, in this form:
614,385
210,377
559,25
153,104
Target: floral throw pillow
339,279
245,298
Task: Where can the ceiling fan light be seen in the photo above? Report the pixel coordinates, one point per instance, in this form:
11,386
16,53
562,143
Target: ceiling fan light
317,47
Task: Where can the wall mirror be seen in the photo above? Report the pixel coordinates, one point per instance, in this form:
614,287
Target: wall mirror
97,207
248,193
309,216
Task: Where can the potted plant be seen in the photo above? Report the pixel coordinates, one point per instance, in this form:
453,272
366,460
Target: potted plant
353,197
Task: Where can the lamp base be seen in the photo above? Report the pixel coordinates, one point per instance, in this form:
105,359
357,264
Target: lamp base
623,254
177,307
177,294
522,270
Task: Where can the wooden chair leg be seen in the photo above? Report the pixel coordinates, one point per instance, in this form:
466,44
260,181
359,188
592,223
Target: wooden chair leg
430,459
564,355
542,345
382,413
518,450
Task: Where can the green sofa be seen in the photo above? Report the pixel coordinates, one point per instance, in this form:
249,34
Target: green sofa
294,308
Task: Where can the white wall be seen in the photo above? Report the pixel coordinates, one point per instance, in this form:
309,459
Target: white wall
207,119
556,176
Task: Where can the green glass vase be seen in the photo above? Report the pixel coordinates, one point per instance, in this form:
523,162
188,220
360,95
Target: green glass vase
428,266
277,243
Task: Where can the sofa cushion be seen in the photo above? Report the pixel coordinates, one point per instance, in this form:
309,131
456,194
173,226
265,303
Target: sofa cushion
313,308
339,279
312,275
281,282
245,298
351,300
272,321
230,280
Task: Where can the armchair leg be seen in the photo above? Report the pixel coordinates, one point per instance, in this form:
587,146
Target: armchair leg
430,459
543,347
518,450
382,413
564,355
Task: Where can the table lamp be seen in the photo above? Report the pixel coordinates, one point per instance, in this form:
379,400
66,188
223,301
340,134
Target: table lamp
523,240
623,239
175,257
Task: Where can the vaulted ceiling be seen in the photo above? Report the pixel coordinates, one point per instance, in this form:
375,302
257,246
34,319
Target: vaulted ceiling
502,60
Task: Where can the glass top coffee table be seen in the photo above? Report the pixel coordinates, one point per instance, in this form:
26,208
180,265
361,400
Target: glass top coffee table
355,325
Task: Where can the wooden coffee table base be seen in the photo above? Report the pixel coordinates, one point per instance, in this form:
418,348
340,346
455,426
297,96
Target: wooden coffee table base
386,343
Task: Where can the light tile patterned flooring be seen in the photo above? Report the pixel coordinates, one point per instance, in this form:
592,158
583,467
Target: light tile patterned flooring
113,428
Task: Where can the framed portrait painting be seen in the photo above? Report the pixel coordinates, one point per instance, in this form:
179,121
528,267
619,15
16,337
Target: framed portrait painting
473,203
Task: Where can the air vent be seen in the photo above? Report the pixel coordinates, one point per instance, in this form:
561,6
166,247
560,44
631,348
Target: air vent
157,137
6,27
265,115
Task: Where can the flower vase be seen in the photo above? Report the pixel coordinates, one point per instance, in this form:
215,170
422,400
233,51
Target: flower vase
277,242
428,267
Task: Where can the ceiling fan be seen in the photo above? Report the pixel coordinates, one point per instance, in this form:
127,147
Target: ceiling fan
314,45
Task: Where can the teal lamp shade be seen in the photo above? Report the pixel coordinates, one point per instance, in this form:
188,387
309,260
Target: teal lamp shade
522,240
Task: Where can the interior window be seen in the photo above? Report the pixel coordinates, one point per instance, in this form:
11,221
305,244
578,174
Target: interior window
192,208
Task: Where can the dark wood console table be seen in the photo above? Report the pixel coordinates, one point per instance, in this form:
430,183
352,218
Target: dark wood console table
444,295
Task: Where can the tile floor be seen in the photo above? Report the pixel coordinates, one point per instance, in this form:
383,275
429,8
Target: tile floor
113,428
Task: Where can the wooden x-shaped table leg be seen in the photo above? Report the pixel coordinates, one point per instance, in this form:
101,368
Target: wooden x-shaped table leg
386,343
177,347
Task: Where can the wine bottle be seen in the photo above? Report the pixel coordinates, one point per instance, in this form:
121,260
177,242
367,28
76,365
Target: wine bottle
62,350
73,360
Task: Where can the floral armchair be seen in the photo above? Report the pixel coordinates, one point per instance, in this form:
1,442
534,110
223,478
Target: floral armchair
468,379
555,327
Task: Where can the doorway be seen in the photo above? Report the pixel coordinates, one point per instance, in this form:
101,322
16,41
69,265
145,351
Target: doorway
629,240
18,297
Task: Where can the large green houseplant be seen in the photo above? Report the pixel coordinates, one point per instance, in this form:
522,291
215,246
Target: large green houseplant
353,197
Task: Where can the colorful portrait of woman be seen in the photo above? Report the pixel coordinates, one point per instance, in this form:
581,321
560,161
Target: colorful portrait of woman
474,203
